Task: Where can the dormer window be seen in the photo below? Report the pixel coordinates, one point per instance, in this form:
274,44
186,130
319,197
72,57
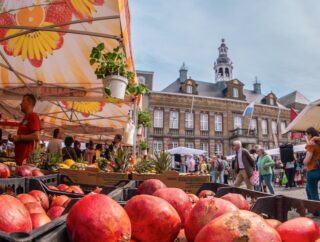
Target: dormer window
271,101
189,89
235,92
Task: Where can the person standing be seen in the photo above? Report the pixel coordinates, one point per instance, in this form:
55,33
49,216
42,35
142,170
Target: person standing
68,152
116,143
77,149
312,161
289,171
90,152
226,170
191,164
244,165
213,172
55,145
220,166
28,133
265,163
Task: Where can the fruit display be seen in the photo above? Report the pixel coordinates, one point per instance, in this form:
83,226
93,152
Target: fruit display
4,171
238,200
150,186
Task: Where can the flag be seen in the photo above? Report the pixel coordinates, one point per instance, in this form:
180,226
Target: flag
294,135
248,110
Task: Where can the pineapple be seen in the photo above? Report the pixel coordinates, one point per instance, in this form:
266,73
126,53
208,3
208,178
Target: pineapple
36,157
120,160
78,166
162,162
144,166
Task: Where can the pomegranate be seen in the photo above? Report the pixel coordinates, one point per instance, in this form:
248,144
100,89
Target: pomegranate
239,226
206,193
62,187
34,208
53,188
193,198
273,223
150,186
96,218
203,212
299,229
59,201
39,219
37,172
4,171
41,197
14,217
238,200
23,171
27,198
178,199
74,189
55,212
152,219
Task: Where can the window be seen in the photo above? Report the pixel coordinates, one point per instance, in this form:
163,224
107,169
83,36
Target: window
173,144
204,146
204,122
158,119
174,120
235,92
264,127
283,126
271,101
190,144
219,148
189,89
157,146
265,145
274,127
237,121
253,124
218,123
189,120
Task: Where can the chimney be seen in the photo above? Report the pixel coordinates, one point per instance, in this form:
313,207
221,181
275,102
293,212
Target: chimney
183,72
257,86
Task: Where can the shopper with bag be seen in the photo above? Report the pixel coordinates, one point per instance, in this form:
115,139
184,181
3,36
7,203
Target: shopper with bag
265,163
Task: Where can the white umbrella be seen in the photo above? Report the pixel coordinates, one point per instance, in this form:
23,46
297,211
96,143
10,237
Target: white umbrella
309,117
186,151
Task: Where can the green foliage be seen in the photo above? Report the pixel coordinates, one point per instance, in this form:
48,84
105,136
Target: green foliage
120,160
162,162
136,89
109,63
144,118
103,164
143,145
144,166
36,157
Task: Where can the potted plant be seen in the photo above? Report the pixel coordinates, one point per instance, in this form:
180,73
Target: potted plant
144,147
137,89
112,69
144,120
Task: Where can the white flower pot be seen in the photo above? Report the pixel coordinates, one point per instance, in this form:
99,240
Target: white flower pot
140,130
117,85
144,152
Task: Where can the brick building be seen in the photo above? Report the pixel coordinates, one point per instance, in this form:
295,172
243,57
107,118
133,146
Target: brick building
208,115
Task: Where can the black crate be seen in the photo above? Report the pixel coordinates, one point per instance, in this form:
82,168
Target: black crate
283,208
13,186
36,234
60,234
122,195
212,187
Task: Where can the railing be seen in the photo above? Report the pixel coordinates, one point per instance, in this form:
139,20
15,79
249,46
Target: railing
189,132
174,132
218,134
243,133
158,131
204,133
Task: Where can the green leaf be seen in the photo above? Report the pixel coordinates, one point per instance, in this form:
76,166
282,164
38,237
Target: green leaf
92,61
100,46
107,91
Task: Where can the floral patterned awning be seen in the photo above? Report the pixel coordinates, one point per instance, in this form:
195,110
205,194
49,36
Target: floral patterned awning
44,50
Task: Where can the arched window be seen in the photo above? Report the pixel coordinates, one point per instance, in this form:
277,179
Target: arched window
221,71
189,89
227,72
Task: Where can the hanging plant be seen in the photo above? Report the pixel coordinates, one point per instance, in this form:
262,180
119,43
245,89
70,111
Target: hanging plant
137,89
143,145
144,119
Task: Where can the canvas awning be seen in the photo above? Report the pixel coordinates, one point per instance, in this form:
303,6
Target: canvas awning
309,117
186,151
44,50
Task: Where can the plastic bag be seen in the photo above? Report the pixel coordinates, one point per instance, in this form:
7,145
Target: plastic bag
128,136
254,179
284,180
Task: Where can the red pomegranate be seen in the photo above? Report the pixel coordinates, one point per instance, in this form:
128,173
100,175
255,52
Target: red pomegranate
41,197
53,188
178,199
273,223
55,212
4,171
152,219
206,193
239,226
193,198
238,200
203,212
27,198
299,229
96,218
37,172
150,186
39,219
14,217
34,208
59,201
74,189
23,171
62,187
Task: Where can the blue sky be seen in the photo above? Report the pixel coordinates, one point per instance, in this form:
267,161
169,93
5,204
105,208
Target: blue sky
276,40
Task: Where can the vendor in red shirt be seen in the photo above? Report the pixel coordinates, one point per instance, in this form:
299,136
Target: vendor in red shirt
28,132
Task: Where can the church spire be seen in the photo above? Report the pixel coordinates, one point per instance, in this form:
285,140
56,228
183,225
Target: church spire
223,66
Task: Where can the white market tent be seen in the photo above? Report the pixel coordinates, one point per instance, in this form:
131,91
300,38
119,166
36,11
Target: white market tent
44,50
185,151
309,117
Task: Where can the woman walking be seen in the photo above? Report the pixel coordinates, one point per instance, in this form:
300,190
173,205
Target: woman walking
265,163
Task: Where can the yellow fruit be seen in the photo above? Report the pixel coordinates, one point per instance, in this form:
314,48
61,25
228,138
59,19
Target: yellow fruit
69,162
62,165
